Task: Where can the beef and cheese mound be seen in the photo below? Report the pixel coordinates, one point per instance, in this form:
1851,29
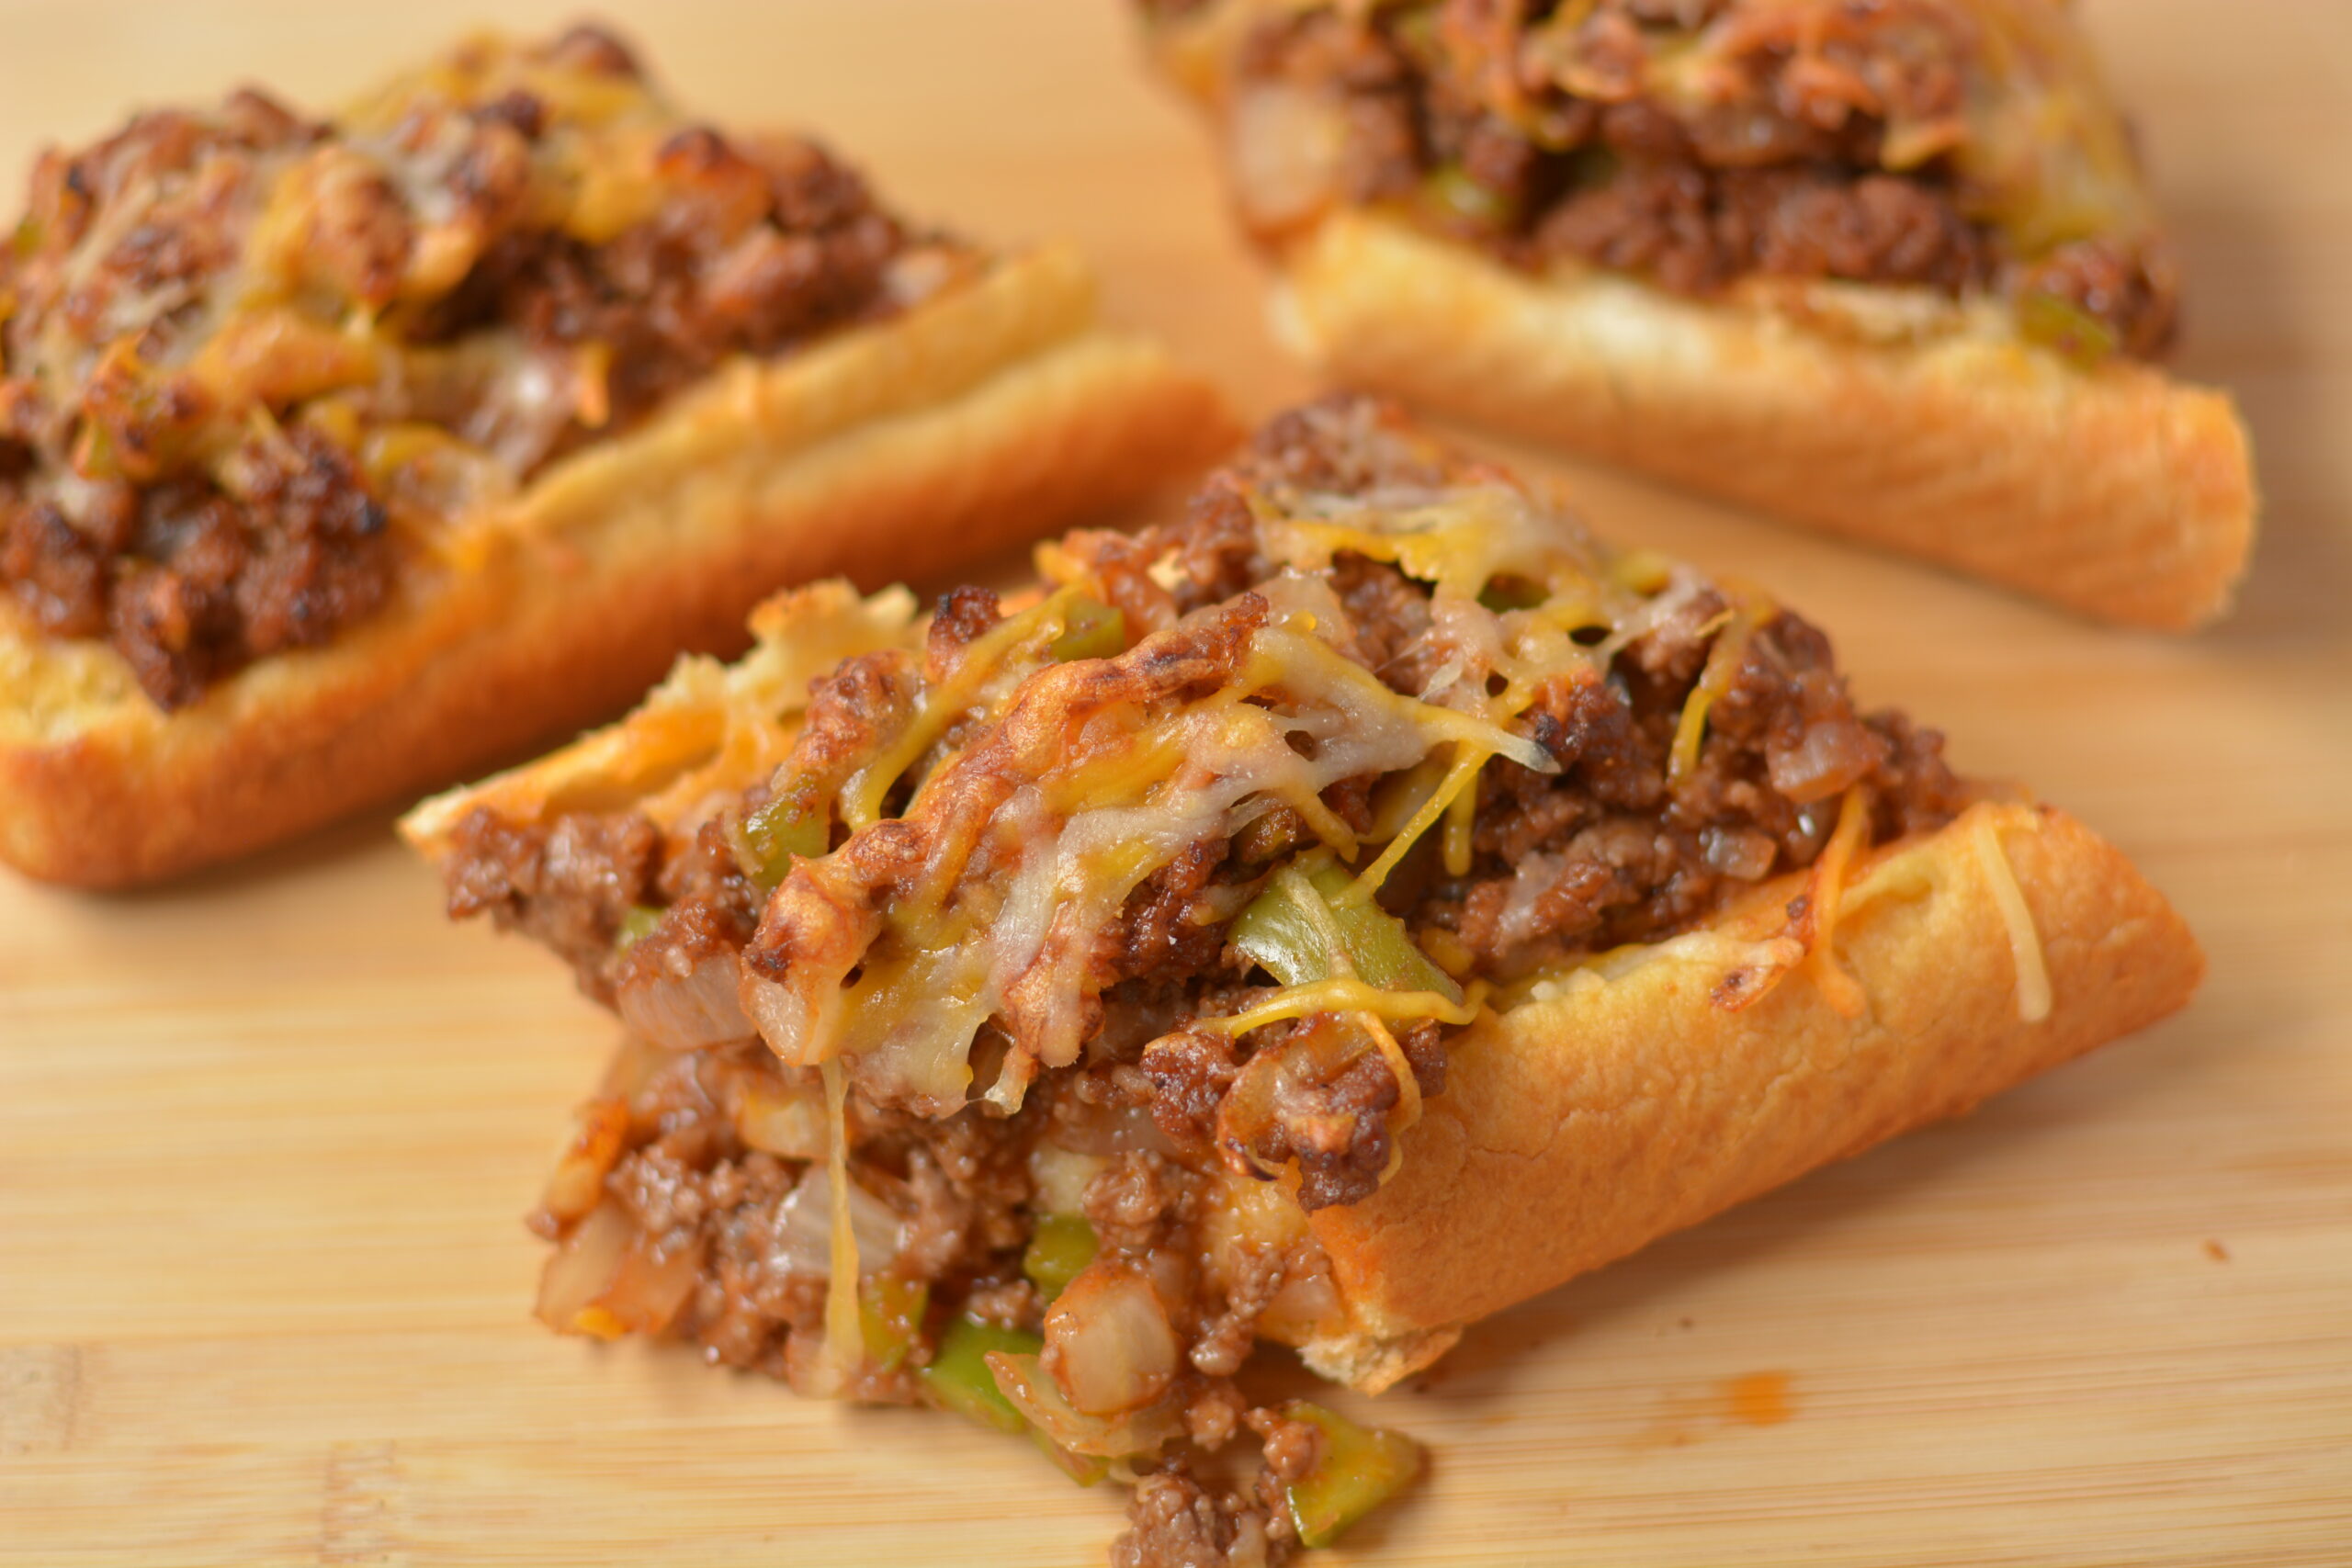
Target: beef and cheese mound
252,364
1958,151
996,1022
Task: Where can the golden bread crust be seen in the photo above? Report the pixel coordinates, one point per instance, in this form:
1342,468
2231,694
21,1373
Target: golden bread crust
2117,493
979,419
1578,1127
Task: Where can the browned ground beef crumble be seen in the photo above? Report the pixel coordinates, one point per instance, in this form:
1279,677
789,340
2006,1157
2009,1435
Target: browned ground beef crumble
1782,181
1612,855
118,517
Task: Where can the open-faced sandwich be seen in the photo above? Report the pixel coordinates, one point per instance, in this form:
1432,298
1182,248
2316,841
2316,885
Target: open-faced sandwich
340,456
1888,269
1327,918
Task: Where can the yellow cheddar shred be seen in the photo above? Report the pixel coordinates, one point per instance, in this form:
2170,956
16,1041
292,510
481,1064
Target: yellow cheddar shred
844,1332
1826,891
1714,679
1458,781
2025,944
1346,993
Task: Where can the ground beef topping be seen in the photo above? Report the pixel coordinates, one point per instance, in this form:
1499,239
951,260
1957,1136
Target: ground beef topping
1964,149
1633,748
1105,909
250,362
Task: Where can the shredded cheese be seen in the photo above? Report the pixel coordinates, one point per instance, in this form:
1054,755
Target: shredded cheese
1461,819
844,1333
1714,679
941,706
1348,994
1458,779
1823,893
2025,942
1408,1087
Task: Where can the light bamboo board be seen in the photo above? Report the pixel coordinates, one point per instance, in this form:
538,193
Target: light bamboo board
265,1138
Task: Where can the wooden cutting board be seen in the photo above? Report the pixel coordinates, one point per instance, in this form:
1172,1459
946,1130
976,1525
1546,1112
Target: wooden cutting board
265,1137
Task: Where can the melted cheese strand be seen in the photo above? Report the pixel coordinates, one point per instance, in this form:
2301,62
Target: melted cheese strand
2025,942
1279,653
1458,777
1461,819
1347,994
1722,665
1409,1087
1324,822
942,705
844,1333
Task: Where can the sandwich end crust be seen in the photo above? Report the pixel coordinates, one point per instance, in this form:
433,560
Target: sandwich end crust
2117,493
1578,1127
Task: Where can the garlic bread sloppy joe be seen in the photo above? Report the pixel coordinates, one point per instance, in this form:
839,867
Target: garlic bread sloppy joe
1325,918
337,456
1890,269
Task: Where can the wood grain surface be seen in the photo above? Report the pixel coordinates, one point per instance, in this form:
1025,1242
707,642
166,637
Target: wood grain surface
265,1137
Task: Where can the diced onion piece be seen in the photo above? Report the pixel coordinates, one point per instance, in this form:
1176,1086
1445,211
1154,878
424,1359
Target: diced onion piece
804,1232
652,1286
582,1270
1025,1386
685,1005
1307,1304
1830,755
1108,1343
609,1278
1278,1077
789,1125
1097,1132
1060,1177
578,1182
1286,144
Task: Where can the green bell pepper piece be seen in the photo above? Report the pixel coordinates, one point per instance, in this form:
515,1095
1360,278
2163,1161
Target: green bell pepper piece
2058,324
889,1316
958,1378
1092,630
637,925
792,825
1359,1469
1289,930
1058,1248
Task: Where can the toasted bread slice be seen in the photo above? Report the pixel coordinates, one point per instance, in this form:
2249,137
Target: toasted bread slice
961,427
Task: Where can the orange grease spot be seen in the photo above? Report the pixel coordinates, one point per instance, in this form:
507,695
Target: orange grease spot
1760,1399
